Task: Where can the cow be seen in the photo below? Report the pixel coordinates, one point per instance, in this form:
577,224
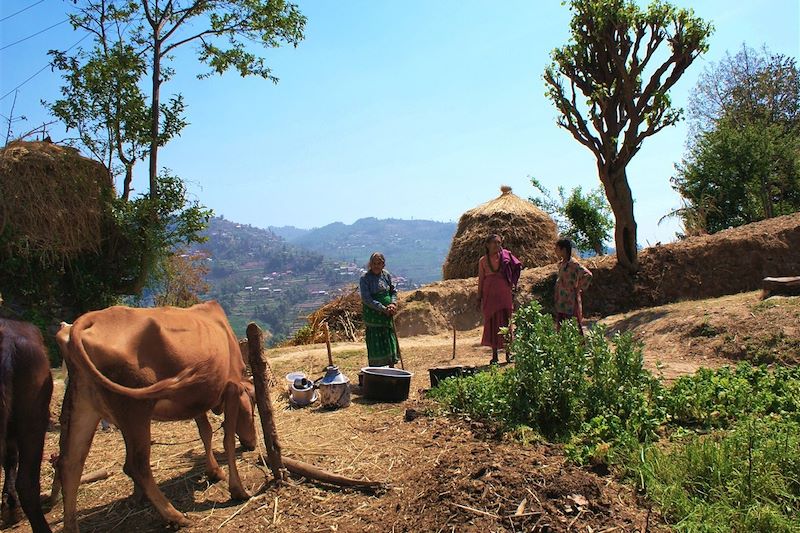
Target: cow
26,386
131,366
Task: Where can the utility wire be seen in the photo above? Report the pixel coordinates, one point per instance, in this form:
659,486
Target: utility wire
42,69
35,34
21,10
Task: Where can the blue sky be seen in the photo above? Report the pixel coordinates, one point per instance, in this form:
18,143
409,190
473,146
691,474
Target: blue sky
415,108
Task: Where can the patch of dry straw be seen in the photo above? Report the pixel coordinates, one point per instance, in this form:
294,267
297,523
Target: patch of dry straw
343,316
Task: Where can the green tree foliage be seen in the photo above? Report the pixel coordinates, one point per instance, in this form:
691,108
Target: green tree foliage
743,160
222,31
610,85
102,101
585,219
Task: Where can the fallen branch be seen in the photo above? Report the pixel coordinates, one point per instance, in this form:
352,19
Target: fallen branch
312,472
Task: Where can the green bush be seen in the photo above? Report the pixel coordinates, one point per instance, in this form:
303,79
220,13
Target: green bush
587,390
747,479
717,398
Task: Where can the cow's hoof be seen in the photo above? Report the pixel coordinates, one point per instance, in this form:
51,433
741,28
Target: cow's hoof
216,475
10,515
238,493
178,521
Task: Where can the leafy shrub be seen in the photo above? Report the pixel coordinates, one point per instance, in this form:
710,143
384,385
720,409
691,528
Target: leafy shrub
591,390
747,479
484,395
717,398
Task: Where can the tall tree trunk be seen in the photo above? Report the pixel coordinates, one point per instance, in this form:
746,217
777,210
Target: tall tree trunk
155,115
620,197
766,198
126,184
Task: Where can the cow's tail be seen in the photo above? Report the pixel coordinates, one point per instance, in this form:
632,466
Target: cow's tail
6,375
157,390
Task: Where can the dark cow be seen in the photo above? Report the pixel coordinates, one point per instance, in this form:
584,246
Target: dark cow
26,386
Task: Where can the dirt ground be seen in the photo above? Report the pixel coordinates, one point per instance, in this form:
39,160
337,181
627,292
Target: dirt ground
442,473
716,331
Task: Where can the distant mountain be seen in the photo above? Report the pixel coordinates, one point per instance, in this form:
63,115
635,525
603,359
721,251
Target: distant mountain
257,276
288,232
414,249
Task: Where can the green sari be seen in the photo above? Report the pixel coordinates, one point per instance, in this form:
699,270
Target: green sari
381,339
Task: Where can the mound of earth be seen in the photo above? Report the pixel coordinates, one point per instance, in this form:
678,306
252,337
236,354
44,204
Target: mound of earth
715,331
728,262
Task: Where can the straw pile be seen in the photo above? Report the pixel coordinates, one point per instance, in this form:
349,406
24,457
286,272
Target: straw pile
527,231
343,316
52,200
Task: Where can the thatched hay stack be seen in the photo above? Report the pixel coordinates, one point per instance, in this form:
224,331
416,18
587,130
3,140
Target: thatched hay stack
527,231
52,200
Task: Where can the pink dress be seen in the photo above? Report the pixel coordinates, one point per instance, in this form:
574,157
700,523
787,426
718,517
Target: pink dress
497,303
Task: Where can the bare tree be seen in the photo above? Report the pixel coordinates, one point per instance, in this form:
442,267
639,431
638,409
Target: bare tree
610,86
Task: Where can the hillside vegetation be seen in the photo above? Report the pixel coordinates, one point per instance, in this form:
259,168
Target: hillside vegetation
414,249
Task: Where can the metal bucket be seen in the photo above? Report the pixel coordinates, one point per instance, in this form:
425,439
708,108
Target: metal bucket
385,384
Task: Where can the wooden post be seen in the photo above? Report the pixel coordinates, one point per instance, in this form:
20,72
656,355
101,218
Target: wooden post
454,342
328,343
255,341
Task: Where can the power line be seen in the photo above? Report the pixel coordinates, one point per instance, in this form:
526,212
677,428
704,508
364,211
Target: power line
21,10
42,69
35,34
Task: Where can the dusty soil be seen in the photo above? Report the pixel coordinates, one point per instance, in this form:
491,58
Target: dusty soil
716,331
443,473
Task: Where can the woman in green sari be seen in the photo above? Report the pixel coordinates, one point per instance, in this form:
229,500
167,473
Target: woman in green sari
379,304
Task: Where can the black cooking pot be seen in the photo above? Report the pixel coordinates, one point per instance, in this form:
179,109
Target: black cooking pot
385,384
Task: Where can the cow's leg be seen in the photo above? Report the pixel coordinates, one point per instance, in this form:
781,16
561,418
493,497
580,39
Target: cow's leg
213,471
135,429
31,446
78,424
9,508
231,417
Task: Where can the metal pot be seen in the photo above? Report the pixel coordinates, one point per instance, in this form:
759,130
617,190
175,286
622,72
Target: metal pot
334,389
386,384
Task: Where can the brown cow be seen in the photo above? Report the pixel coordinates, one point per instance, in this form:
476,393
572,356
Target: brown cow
25,389
131,366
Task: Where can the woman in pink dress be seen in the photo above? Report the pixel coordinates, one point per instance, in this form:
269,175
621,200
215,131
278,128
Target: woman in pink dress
498,272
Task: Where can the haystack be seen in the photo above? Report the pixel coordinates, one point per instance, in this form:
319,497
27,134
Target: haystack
527,231
343,316
52,200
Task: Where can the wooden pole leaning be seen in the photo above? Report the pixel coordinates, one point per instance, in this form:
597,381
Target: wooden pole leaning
255,340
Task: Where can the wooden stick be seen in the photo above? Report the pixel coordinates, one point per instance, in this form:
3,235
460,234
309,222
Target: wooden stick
454,342
97,475
397,341
91,477
476,511
255,339
328,343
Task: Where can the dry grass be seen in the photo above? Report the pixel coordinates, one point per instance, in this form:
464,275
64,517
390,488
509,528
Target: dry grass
343,317
527,231
51,199
439,470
